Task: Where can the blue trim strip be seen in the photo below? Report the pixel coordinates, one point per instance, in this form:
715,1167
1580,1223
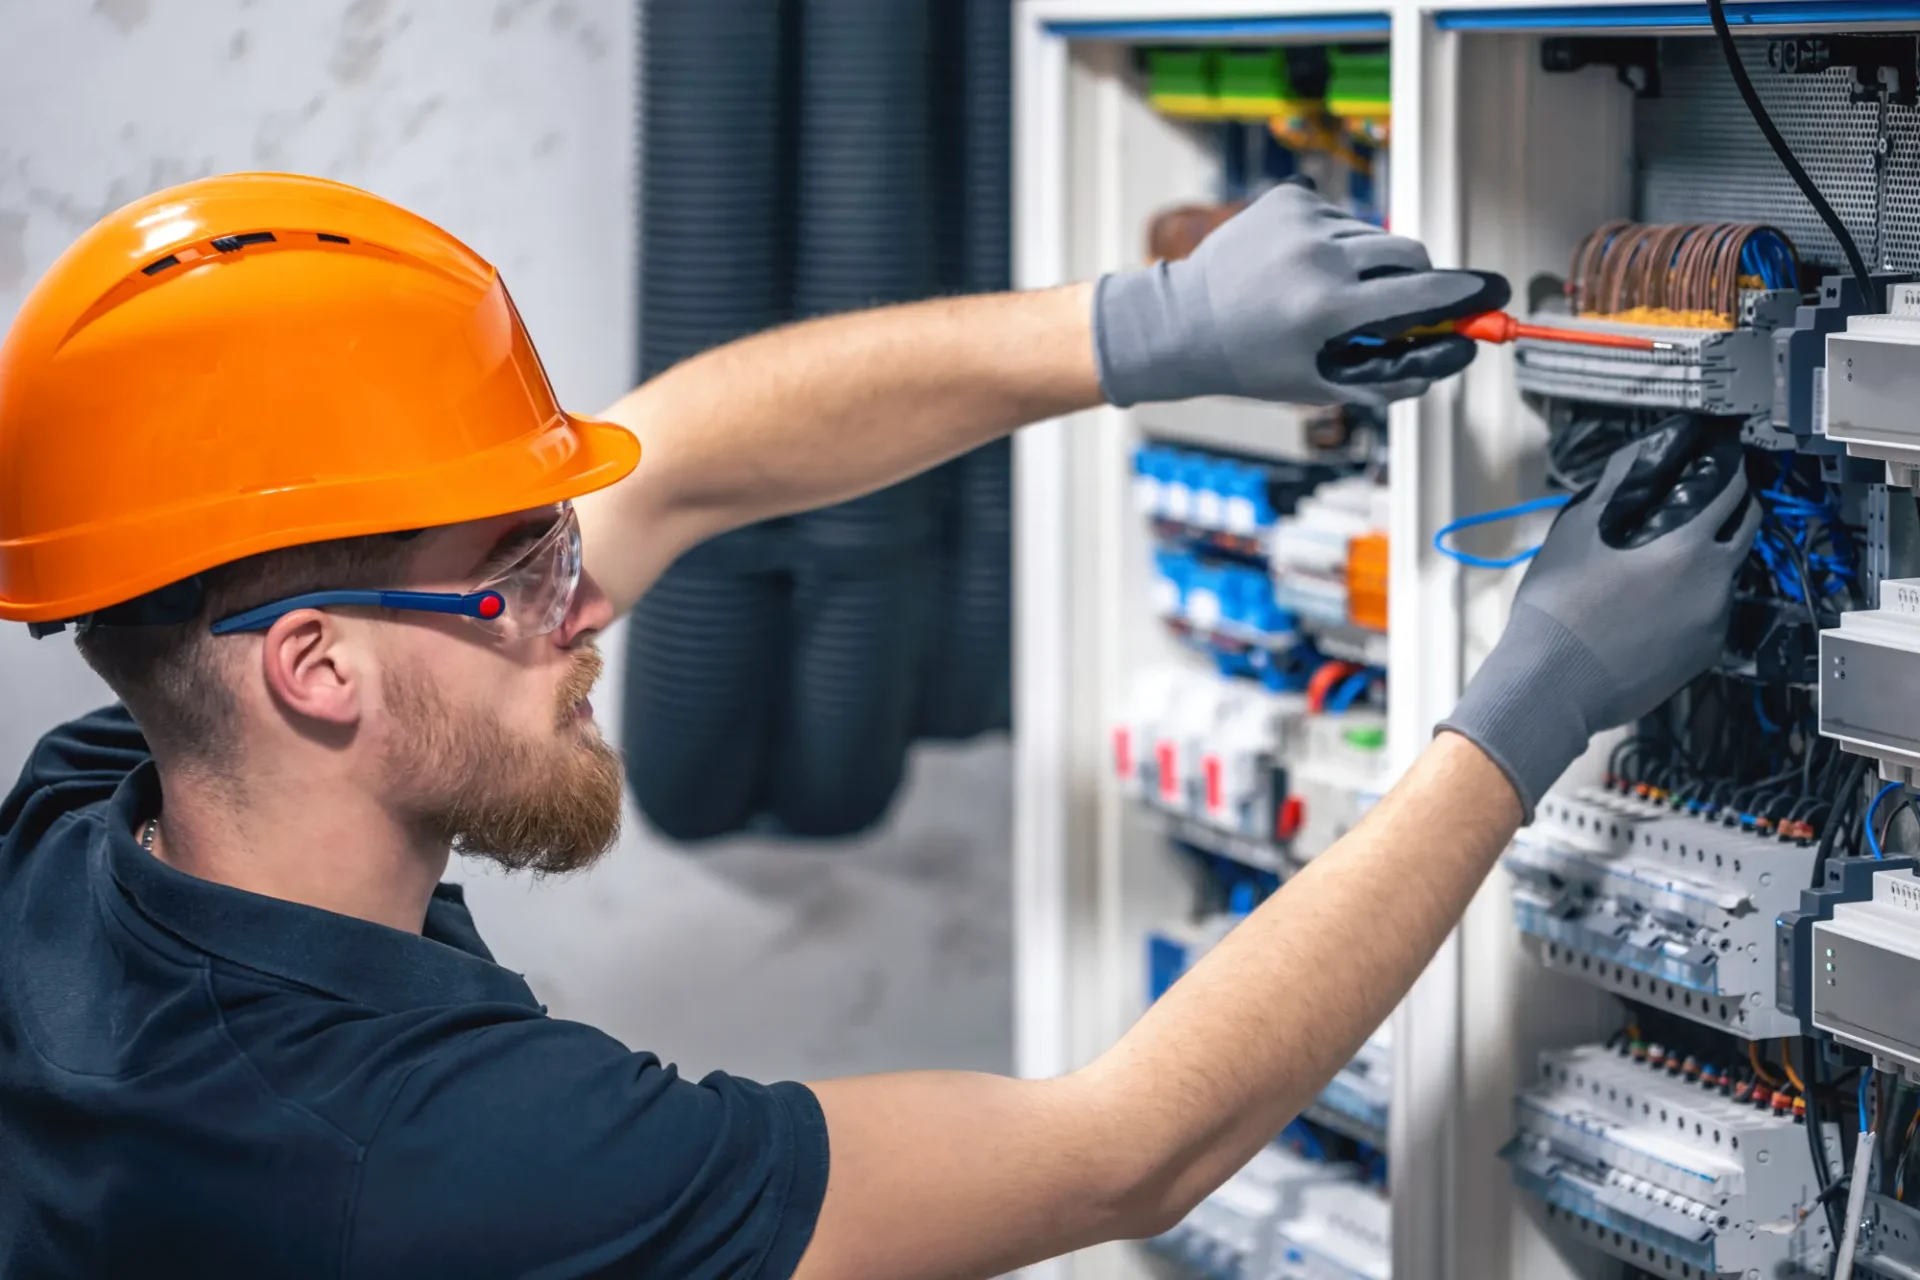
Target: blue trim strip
1658,16
1305,24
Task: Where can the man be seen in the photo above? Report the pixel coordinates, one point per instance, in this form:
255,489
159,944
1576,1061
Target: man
284,457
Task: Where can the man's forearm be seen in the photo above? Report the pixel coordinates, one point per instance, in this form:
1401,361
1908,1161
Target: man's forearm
1242,1043
828,410
1022,1170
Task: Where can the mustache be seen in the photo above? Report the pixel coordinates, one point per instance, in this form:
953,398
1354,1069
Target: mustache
580,679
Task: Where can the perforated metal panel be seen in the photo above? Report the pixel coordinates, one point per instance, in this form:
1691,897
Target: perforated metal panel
1703,159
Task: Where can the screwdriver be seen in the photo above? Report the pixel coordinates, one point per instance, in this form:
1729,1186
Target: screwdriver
1498,326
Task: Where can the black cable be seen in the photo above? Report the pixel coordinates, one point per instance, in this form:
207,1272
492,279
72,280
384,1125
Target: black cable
1822,1174
1615,760
1906,1156
1854,829
1857,264
1835,1192
1890,1089
1677,739
1843,806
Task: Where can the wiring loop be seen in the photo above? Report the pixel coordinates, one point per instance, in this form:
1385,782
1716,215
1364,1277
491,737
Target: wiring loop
1873,807
1550,503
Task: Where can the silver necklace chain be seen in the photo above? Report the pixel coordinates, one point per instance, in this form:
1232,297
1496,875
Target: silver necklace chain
148,832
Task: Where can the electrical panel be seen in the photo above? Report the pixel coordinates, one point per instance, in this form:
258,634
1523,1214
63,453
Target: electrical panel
1250,733
1727,876
1681,886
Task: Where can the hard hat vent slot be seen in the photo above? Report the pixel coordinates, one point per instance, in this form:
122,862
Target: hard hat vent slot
326,238
227,244
158,265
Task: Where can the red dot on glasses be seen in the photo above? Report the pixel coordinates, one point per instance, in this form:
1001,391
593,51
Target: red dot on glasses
491,606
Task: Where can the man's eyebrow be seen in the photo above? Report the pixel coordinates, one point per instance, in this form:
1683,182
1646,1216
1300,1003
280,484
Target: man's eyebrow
512,543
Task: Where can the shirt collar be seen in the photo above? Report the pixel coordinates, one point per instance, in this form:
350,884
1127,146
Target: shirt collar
357,960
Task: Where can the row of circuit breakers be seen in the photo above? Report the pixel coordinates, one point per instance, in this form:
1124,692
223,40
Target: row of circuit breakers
1671,1166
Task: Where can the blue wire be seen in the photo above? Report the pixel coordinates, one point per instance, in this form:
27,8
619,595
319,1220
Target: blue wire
1348,691
1767,255
1789,530
1873,839
1760,713
1866,1082
1549,503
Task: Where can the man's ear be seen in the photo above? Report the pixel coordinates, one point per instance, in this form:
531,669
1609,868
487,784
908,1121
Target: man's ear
312,670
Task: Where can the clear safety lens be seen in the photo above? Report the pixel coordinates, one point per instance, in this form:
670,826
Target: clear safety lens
538,586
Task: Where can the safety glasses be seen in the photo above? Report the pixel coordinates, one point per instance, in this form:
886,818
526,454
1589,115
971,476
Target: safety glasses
528,597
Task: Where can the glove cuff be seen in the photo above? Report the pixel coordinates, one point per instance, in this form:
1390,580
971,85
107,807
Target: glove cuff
1523,707
1154,337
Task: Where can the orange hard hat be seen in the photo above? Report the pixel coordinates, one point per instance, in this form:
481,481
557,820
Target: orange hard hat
255,361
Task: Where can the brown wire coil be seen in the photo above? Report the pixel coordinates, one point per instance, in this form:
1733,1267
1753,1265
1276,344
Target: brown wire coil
1691,270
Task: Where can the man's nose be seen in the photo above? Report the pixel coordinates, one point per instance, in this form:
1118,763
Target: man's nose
589,614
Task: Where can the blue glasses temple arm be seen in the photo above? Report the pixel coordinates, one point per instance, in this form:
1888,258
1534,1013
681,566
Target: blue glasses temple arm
471,604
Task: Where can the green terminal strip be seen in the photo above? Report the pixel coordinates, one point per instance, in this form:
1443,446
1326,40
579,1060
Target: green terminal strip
1359,83
1257,85
1183,82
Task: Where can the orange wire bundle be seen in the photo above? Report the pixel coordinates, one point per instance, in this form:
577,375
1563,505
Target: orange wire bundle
1681,274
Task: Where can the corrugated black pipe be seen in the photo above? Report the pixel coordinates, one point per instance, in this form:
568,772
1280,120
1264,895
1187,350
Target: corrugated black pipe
966,684
706,646
864,569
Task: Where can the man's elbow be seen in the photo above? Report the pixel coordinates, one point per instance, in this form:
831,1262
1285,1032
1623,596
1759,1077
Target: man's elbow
1139,1184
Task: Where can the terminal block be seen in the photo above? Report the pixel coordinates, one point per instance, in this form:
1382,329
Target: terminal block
1356,1100
1870,680
1335,1231
1725,372
1668,1173
1658,906
1866,973
1230,1233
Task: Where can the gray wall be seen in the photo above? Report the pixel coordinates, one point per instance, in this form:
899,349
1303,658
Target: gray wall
510,123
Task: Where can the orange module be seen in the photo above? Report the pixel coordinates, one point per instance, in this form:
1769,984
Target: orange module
1367,581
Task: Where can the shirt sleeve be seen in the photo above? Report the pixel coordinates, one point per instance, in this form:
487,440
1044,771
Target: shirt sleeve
545,1148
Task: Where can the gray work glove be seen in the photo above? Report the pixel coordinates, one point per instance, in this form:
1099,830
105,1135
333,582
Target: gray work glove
1289,300
1627,601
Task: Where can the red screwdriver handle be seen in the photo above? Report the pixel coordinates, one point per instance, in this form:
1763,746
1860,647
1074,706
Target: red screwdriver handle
1498,326
1490,326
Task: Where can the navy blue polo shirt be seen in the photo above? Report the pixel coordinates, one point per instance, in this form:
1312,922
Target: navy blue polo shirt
200,1081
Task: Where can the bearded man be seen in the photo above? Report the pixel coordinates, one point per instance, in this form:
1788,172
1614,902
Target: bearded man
282,455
